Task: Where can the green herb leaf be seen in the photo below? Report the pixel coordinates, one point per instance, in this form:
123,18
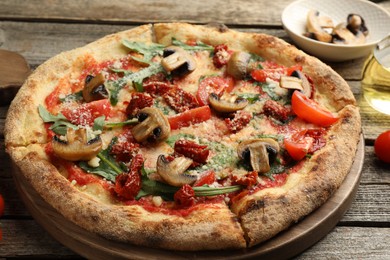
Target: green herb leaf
121,124
108,168
251,97
200,46
77,96
147,50
47,117
205,191
98,123
137,78
270,92
151,187
60,122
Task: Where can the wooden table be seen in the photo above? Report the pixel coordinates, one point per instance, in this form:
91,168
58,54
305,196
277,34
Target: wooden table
40,29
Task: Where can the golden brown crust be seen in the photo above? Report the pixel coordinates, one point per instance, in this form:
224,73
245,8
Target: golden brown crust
255,218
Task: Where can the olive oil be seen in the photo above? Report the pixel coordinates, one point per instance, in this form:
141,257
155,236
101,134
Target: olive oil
376,79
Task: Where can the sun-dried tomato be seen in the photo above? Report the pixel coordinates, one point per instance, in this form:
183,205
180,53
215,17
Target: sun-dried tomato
125,146
190,149
137,102
221,55
274,109
127,185
239,121
180,100
156,85
248,179
185,197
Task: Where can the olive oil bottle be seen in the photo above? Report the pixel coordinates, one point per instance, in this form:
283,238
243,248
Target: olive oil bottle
376,78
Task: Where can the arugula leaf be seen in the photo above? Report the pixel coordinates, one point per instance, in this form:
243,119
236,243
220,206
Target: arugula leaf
136,78
251,97
77,96
204,191
147,50
270,92
121,124
150,187
98,123
60,122
108,168
200,46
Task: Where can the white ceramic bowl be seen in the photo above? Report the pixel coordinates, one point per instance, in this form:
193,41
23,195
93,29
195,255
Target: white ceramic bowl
376,18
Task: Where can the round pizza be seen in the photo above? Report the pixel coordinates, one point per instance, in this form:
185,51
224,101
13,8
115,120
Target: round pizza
184,137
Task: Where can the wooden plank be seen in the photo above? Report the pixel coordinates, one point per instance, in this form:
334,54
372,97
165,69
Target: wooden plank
351,243
25,238
251,12
38,42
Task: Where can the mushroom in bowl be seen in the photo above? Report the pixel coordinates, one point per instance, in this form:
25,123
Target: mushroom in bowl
295,18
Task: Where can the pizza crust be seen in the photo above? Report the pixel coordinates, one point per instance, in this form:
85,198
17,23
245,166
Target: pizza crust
249,221
267,212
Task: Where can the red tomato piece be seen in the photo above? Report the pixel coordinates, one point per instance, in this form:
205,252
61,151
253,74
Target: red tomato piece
249,179
381,146
311,111
261,75
298,145
1,205
206,178
180,100
138,101
86,113
215,85
185,197
190,149
127,185
189,117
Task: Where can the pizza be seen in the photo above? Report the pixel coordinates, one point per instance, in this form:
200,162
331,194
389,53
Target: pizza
184,137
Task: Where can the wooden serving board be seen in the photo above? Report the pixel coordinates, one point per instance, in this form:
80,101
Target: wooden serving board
285,245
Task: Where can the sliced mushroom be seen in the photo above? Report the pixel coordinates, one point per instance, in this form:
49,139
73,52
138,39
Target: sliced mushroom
237,65
94,88
177,61
314,27
227,103
306,86
341,35
76,147
260,153
152,126
356,24
173,172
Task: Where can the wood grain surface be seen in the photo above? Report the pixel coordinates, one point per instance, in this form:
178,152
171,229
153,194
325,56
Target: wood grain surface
40,29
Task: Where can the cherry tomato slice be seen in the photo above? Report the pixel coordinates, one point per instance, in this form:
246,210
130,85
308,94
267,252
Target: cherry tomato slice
215,85
311,111
381,147
298,145
192,116
86,113
261,75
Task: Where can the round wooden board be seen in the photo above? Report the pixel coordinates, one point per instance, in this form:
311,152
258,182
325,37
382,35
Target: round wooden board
289,243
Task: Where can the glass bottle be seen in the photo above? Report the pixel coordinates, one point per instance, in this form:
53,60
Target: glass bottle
376,77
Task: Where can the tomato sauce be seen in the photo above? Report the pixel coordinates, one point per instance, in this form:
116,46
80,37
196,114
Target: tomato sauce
170,208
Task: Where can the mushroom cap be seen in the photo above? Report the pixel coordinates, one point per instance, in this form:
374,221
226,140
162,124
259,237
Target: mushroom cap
173,172
153,126
227,103
177,61
76,147
95,89
259,152
237,65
